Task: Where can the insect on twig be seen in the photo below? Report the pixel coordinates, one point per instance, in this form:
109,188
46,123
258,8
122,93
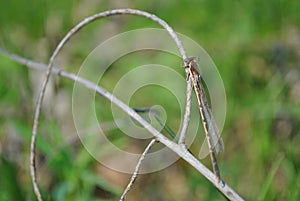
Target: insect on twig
212,133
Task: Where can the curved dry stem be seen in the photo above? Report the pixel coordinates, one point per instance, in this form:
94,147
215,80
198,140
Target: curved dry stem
180,150
136,171
72,32
187,114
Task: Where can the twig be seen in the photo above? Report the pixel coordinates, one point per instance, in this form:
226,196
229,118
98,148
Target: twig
176,148
50,66
136,171
187,114
72,32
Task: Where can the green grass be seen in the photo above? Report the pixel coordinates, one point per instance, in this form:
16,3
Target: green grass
254,46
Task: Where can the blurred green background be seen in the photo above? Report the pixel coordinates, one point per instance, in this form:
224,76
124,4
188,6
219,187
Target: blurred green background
254,44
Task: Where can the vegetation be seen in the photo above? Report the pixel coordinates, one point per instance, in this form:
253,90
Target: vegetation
254,44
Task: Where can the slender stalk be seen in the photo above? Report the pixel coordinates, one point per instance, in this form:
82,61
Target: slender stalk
136,171
59,47
187,114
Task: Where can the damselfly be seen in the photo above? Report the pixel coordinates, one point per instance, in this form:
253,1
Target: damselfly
212,133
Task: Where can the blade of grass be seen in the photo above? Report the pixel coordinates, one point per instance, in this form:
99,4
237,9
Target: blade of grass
270,177
167,129
165,126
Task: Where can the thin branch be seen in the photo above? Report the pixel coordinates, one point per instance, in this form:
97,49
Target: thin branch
137,169
71,33
187,114
176,148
